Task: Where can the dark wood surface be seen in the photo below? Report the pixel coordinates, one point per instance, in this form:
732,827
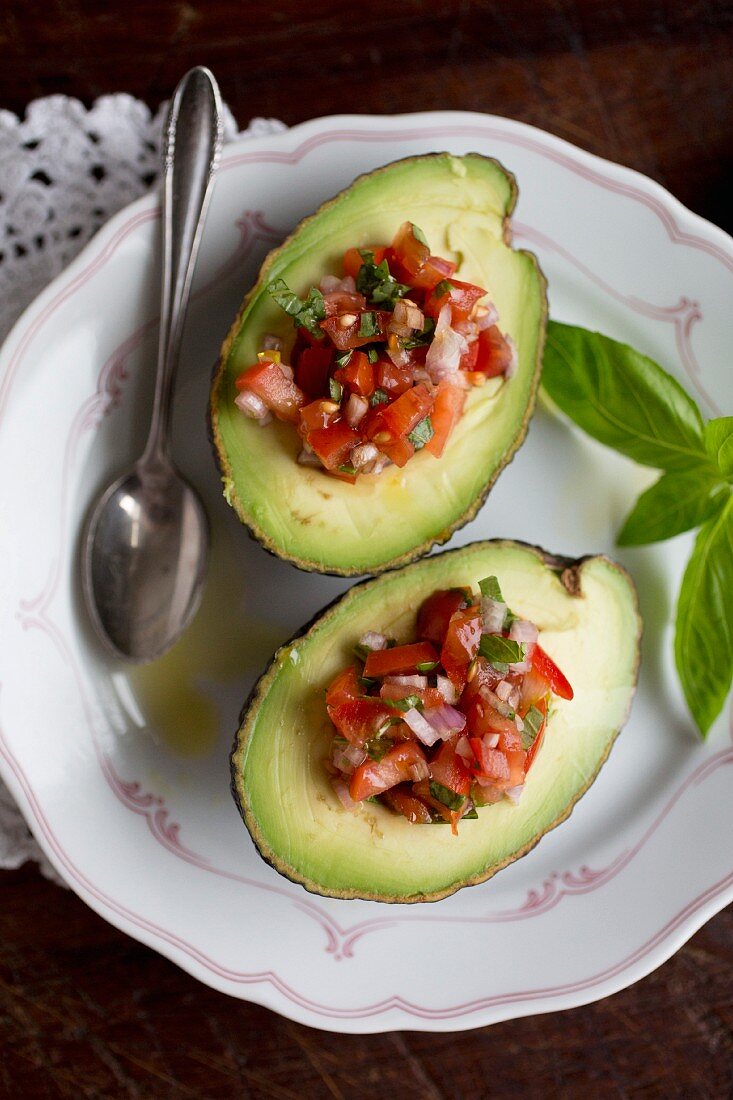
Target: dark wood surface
85,1011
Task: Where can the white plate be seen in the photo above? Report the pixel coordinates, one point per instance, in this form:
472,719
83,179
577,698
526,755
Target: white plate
124,778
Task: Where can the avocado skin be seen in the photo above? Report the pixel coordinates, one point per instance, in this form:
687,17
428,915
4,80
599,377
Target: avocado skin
219,449
569,571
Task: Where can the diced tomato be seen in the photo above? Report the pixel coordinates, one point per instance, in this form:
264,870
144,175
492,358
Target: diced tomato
470,357
399,660
358,720
448,769
545,666
429,697
358,374
343,301
532,750
399,451
333,444
280,393
491,763
449,402
318,414
484,719
312,369
402,801
353,259
343,688
348,337
461,644
495,354
401,416
462,298
397,766
393,380
433,271
435,613
410,253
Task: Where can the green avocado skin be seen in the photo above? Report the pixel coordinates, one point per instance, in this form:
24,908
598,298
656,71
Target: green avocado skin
589,622
463,205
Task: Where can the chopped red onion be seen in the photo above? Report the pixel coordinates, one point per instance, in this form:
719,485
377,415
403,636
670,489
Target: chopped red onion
363,457
329,284
419,682
270,342
287,370
467,329
399,329
486,315
522,630
444,353
446,720
348,758
504,690
308,458
491,740
514,793
373,640
493,613
356,409
446,689
463,748
342,792
253,406
380,464
407,313
498,704
421,727
519,723
399,355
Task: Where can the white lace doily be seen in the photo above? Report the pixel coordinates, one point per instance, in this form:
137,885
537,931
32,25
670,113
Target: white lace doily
64,171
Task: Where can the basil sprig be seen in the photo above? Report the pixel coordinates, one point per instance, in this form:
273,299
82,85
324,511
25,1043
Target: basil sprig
504,651
376,283
306,313
627,401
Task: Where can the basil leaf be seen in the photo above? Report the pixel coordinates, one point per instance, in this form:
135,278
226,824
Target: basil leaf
343,359
719,443
622,398
361,651
347,469
378,747
419,339
372,355
448,797
336,390
703,644
306,314
533,721
504,650
491,589
368,324
376,283
419,235
379,397
426,666
421,434
675,503
444,287
410,702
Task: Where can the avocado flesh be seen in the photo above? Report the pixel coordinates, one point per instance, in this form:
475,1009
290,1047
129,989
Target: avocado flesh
317,521
589,623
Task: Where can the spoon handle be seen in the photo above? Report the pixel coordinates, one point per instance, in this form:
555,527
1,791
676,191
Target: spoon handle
191,148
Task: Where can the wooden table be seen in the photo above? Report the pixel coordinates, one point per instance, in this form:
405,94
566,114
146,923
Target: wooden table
85,1011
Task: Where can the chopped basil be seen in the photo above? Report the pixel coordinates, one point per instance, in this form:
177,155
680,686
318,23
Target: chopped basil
501,651
426,666
367,255
368,324
342,359
305,313
449,798
418,339
470,816
372,355
379,397
347,469
419,235
443,287
362,651
421,434
375,283
533,720
378,747
366,682
336,390
491,589
410,702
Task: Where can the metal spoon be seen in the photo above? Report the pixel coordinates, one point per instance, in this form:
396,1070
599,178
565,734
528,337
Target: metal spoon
146,544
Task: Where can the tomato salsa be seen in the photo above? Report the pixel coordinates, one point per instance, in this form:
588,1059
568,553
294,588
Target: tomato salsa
382,359
437,728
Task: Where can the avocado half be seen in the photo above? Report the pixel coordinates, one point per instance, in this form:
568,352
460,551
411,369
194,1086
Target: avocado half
589,623
316,521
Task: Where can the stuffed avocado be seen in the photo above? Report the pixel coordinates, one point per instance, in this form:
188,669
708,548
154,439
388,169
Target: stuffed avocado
402,379
283,759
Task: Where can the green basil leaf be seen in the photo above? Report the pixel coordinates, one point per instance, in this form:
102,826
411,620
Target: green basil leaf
419,339
533,720
372,355
505,651
421,434
343,359
347,469
306,314
419,235
368,324
448,797
378,747
426,666
719,443
361,651
703,644
379,397
675,503
376,283
622,398
336,390
410,702
444,287
491,589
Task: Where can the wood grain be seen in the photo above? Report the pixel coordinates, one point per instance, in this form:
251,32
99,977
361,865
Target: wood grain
87,1012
